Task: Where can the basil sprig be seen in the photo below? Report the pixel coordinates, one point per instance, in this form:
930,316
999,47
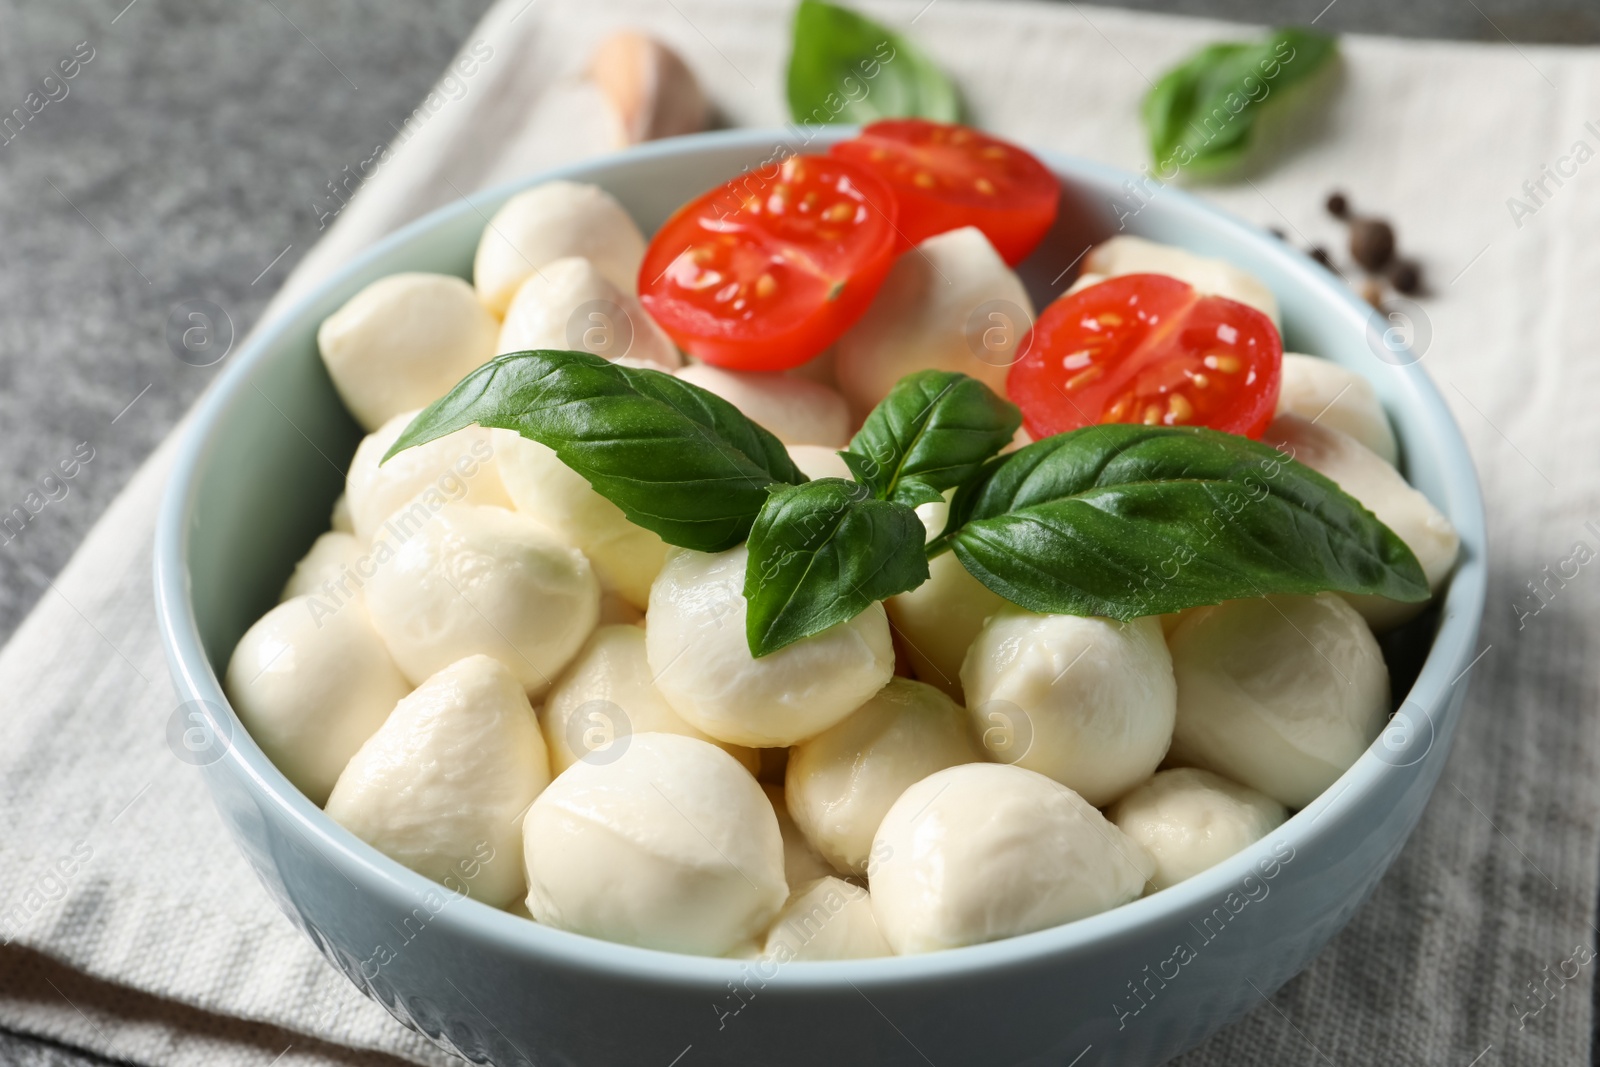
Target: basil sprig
847,68
1115,520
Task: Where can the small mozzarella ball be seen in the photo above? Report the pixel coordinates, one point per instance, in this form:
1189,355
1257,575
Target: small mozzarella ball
1322,391
403,342
554,221
328,569
928,315
670,846
484,580
441,787
340,520
826,919
311,683
1190,820
1087,701
1281,694
815,462
796,411
985,851
801,862
939,619
457,467
569,305
1381,490
1210,277
695,630
626,557
606,696
840,783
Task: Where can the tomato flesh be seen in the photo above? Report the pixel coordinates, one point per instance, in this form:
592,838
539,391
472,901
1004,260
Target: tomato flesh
948,176
766,271
1148,348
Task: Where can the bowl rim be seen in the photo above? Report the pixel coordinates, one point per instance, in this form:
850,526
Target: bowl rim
1445,666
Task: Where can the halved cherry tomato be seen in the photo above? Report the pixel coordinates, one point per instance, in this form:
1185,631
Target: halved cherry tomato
765,272
1148,348
948,176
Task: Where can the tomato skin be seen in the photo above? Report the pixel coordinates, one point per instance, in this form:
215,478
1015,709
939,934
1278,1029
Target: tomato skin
1148,348
766,271
947,176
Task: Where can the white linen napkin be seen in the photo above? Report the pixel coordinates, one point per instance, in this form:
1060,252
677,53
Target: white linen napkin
133,927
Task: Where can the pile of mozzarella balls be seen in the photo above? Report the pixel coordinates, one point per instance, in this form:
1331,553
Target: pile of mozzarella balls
487,673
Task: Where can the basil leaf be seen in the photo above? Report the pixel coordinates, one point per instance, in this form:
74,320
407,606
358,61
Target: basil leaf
1129,520
1200,114
932,432
847,68
677,460
820,554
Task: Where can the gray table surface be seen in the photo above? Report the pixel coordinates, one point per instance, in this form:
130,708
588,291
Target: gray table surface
184,164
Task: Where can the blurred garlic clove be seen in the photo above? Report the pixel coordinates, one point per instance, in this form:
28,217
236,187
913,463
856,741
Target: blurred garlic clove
652,90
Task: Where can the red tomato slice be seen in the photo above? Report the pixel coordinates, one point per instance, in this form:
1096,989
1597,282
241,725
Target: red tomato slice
949,176
1148,348
765,272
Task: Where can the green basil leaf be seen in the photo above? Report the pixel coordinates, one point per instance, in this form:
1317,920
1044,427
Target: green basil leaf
932,432
1200,114
820,554
847,68
1129,520
675,458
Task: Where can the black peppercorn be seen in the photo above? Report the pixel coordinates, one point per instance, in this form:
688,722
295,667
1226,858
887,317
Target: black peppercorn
1338,206
1371,243
1320,254
1406,276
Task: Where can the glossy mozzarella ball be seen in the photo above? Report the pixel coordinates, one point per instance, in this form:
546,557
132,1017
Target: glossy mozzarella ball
441,787
1280,693
840,783
570,306
815,462
801,862
457,467
796,411
484,580
403,342
1381,490
328,569
626,557
606,696
1087,701
930,315
826,919
695,630
1210,277
1322,391
554,221
1190,820
938,621
985,851
671,846
311,682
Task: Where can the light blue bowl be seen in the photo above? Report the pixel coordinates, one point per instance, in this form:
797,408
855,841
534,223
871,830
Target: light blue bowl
253,485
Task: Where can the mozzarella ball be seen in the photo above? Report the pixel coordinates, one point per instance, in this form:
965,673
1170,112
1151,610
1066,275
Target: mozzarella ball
801,862
1322,391
1381,490
815,462
939,619
826,919
796,411
985,851
670,846
606,696
840,783
554,221
484,580
458,467
1087,701
928,315
569,305
441,787
1210,277
403,342
1190,820
695,631
328,569
1280,693
311,682
626,558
